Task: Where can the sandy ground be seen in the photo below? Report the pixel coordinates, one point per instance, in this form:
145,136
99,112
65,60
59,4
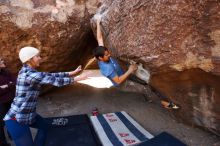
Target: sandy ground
81,99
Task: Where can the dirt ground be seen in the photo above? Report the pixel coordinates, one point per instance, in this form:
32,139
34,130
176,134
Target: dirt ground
81,99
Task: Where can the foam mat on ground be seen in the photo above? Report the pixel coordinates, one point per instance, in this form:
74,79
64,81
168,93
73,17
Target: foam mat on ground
71,131
163,139
119,129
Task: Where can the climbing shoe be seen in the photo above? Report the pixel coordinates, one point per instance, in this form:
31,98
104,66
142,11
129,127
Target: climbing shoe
169,105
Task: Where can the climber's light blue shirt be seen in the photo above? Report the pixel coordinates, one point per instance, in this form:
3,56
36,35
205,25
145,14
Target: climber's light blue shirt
110,69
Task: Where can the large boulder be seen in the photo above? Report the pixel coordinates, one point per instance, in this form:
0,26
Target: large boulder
178,42
59,28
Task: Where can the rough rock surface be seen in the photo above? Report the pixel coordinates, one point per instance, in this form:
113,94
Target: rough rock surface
59,28
178,42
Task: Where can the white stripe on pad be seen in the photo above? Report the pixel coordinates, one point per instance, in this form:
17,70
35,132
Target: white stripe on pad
120,130
100,131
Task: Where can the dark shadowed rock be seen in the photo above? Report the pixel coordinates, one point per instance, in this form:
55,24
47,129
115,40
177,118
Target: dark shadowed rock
198,94
59,28
178,42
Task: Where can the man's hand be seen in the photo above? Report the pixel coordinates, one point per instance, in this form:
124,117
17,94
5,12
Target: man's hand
98,21
4,86
98,18
83,76
76,71
132,68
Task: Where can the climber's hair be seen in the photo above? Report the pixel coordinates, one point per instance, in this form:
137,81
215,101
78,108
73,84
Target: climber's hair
99,51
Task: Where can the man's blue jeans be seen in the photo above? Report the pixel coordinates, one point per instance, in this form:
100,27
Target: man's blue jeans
21,133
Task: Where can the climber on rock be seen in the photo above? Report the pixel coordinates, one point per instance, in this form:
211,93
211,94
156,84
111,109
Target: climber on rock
109,66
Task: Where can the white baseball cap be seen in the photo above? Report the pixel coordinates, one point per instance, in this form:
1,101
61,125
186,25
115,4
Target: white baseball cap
27,53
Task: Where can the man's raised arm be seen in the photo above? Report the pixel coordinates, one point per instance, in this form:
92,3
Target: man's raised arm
99,33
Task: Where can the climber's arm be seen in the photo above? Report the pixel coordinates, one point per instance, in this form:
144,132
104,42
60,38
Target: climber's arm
99,33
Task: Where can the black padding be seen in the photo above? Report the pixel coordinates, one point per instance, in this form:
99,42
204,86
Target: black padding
163,139
71,131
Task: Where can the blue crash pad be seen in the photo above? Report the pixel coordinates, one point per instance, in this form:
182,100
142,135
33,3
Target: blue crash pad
71,131
163,139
